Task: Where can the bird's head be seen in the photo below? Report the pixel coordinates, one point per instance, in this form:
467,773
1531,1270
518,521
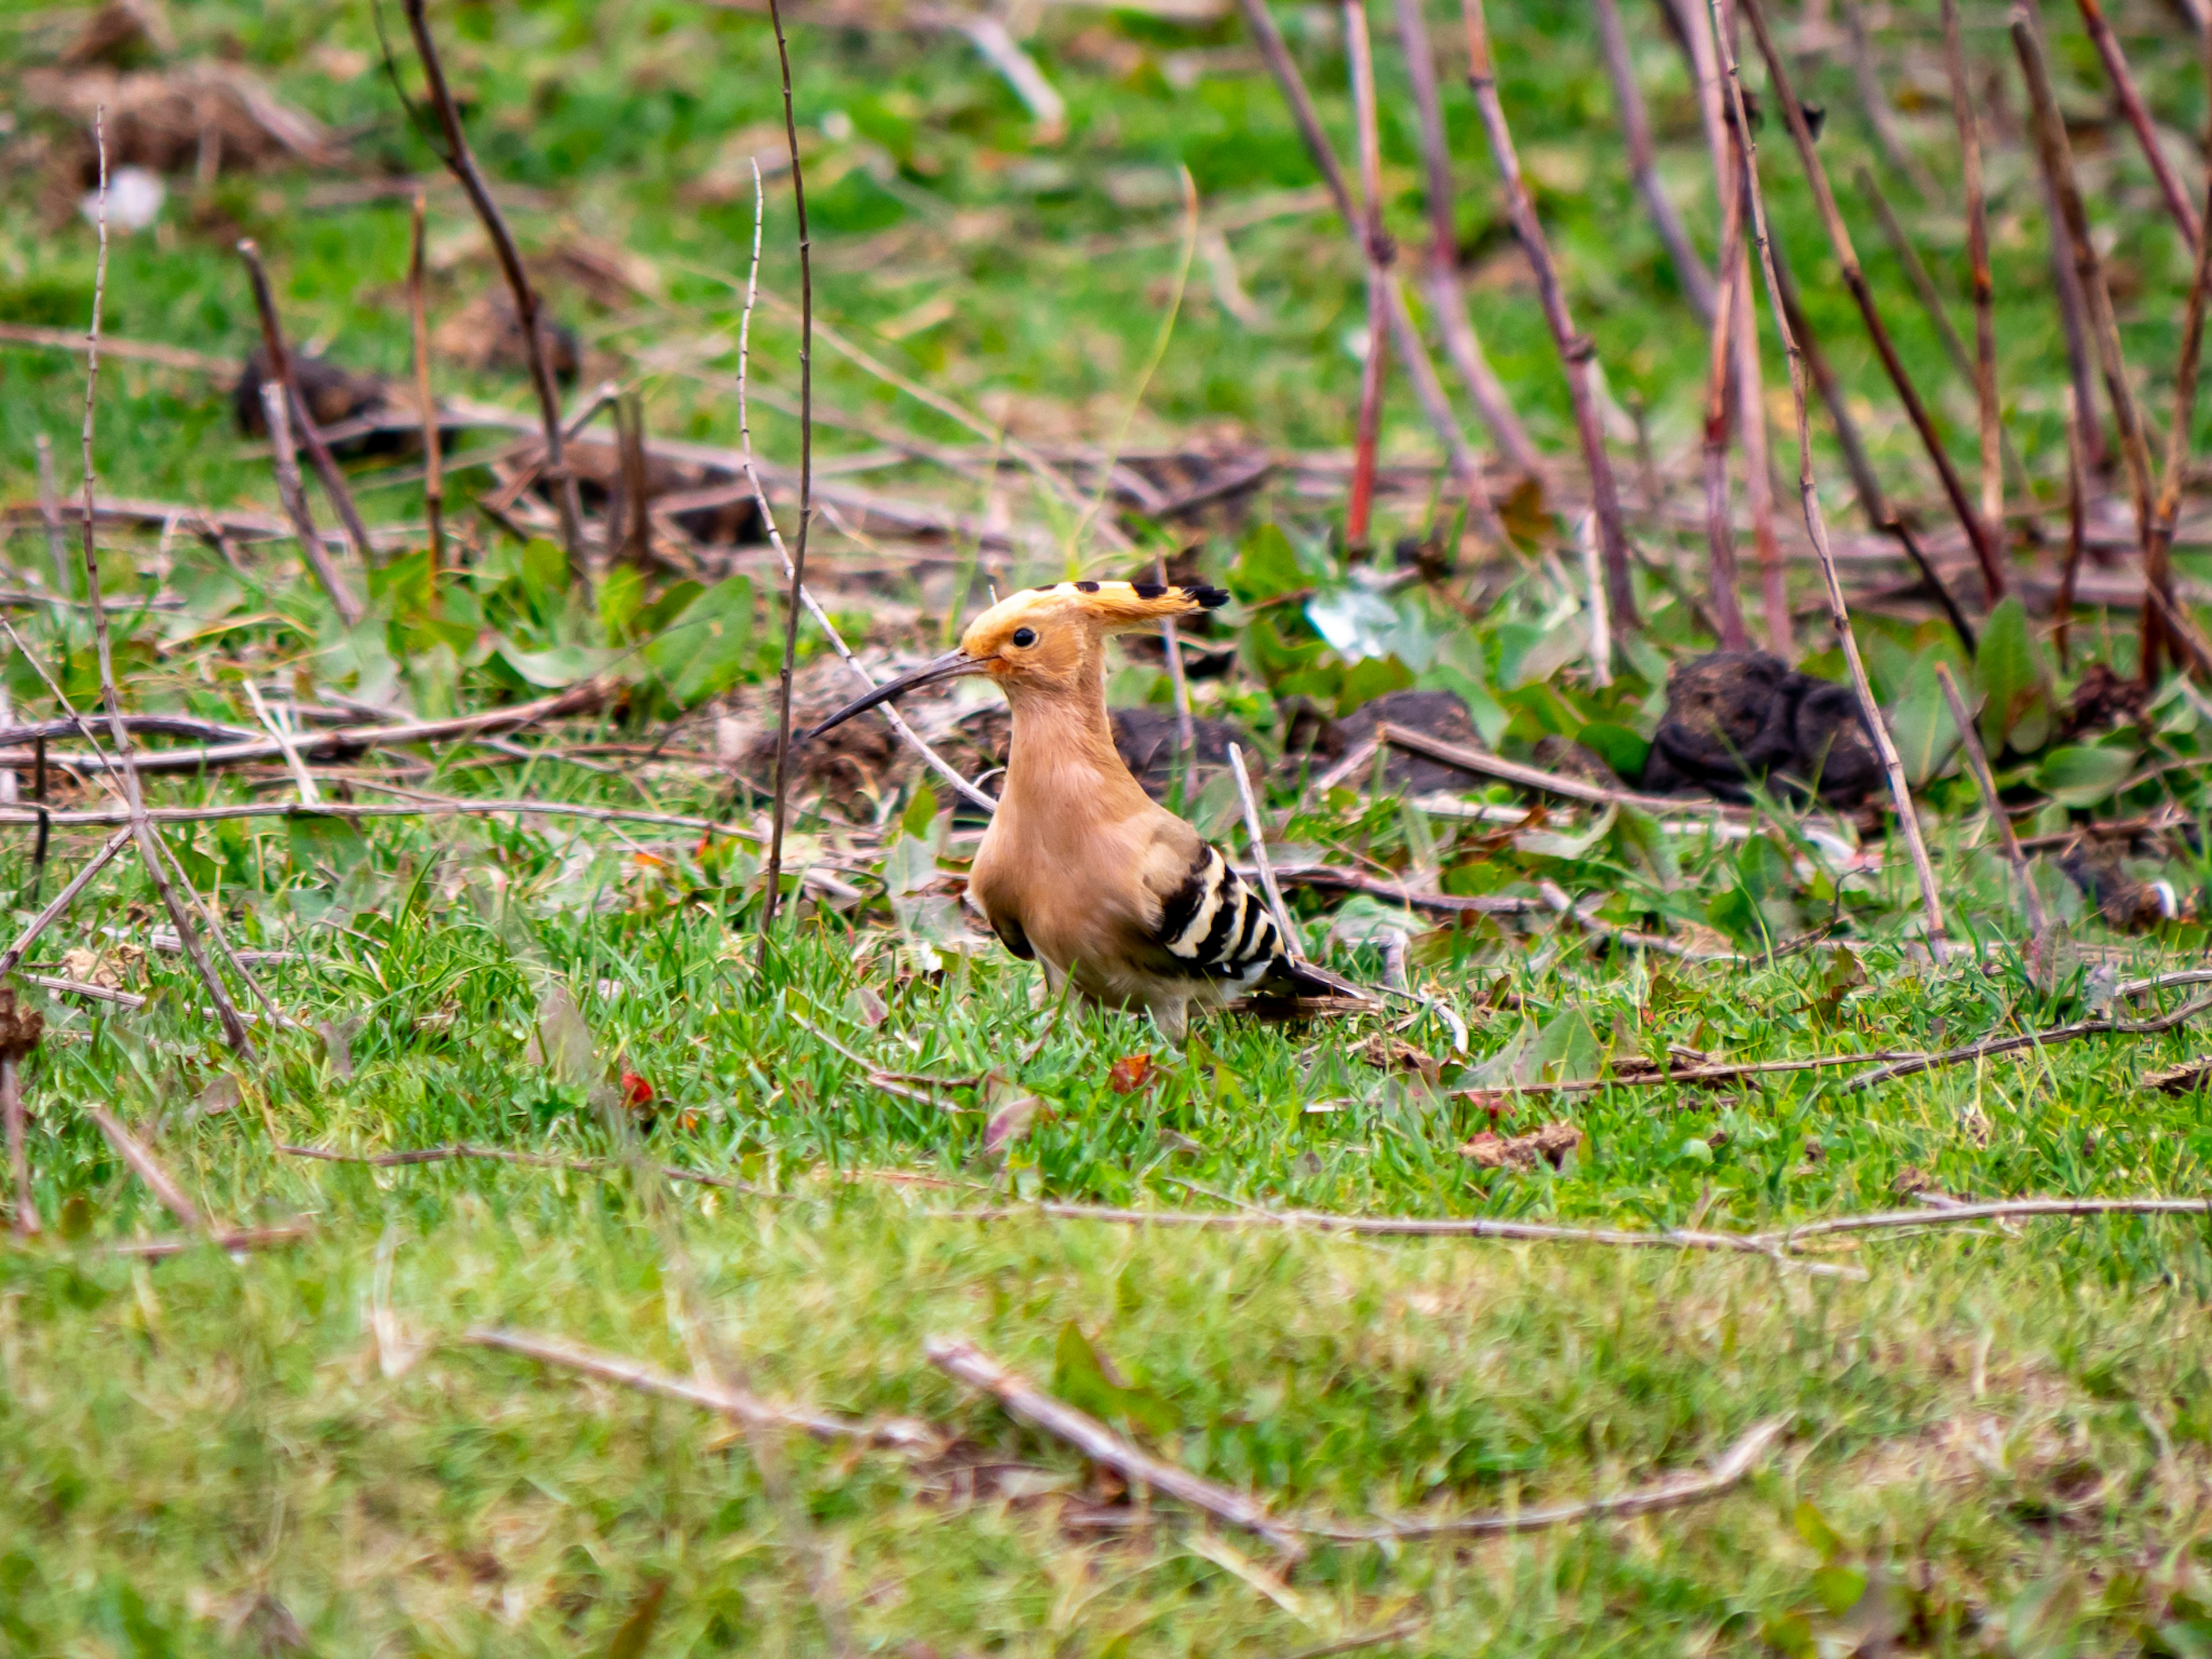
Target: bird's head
1042,639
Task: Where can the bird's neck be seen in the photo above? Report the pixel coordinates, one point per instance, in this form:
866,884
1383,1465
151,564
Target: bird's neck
1061,762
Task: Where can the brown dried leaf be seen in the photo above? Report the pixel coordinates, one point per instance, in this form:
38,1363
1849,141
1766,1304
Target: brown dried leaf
2186,1079
1010,1122
1549,1144
1130,1073
1389,1053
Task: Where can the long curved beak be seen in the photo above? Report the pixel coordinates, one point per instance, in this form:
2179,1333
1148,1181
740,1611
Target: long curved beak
952,665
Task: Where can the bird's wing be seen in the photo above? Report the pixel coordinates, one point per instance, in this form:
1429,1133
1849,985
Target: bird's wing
1211,923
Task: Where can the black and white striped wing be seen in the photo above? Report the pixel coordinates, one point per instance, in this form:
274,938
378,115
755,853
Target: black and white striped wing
1214,926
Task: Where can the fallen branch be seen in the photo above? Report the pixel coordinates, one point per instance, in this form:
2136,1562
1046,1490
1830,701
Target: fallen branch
243,1238
1534,777
1787,1238
39,924
1728,1470
899,1433
961,1358
502,1155
2057,1034
147,1168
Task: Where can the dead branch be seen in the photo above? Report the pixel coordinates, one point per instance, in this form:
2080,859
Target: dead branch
2043,1039
1987,409
1980,535
281,372
962,1359
462,162
1381,253
772,876
242,1238
1697,287
433,448
2077,523
1577,351
463,1152
39,924
147,1168
1951,1215
1727,1471
1447,300
1534,777
1977,762
1816,527
897,1433
141,827
294,495
2138,117
2158,545
2057,156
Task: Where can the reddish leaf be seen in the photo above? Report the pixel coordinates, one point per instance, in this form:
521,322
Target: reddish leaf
1130,1073
636,1089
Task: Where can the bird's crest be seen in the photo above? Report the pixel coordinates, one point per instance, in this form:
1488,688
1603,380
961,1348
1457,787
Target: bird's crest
1110,606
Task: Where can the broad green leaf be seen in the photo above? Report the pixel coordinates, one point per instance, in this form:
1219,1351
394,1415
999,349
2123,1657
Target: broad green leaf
1839,1588
561,666
1617,746
2016,706
544,574
920,812
2080,777
1267,566
622,596
703,651
1921,725
1813,1526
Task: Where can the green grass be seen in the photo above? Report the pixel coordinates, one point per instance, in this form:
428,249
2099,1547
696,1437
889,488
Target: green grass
1999,1437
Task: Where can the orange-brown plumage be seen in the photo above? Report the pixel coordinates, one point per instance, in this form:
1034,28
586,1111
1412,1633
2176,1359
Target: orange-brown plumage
1080,869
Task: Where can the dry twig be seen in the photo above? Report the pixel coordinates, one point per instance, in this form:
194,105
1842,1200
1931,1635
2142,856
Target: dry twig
461,161
2044,1039
1577,351
896,1433
434,451
1816,527
283,459
147,1168
1977,762
2138,116
311,438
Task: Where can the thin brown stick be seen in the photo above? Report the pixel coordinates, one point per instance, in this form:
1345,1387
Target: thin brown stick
142,828
310,437
23,1216
2138,117
2057,155
2055,1034
2158,546
1447,300
463,1152
897,1433
1864,483
1411,350
1719,528
241,1238
1577,351
2073,323
1987,409
1528,777
148,1169
1698,285
962,1359
1382,254
342,743
1874,103
936,763
1816,526
1977,762
434,450
1999,1210
1720,1073
2077,524
1979,534
1998,450
461,161
1757,470
1727,1472
425,807
49,512
61,901
294,495
772,876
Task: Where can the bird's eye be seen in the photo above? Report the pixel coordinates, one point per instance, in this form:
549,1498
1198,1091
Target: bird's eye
1025,636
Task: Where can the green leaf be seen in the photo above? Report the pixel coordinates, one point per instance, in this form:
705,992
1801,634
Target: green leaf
1566,1049
1617,746
1921,724
544,574
1267,566
1839,1588
1085,1378
2080,777
1372,678
1813,1526
561,666
2016,709
622,596
704,651
920,812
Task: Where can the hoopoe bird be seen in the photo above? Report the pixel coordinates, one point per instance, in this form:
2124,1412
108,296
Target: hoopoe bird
1080,869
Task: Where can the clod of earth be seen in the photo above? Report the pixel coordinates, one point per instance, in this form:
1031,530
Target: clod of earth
1735,718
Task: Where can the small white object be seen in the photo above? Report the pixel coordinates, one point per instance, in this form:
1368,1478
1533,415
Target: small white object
134,198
